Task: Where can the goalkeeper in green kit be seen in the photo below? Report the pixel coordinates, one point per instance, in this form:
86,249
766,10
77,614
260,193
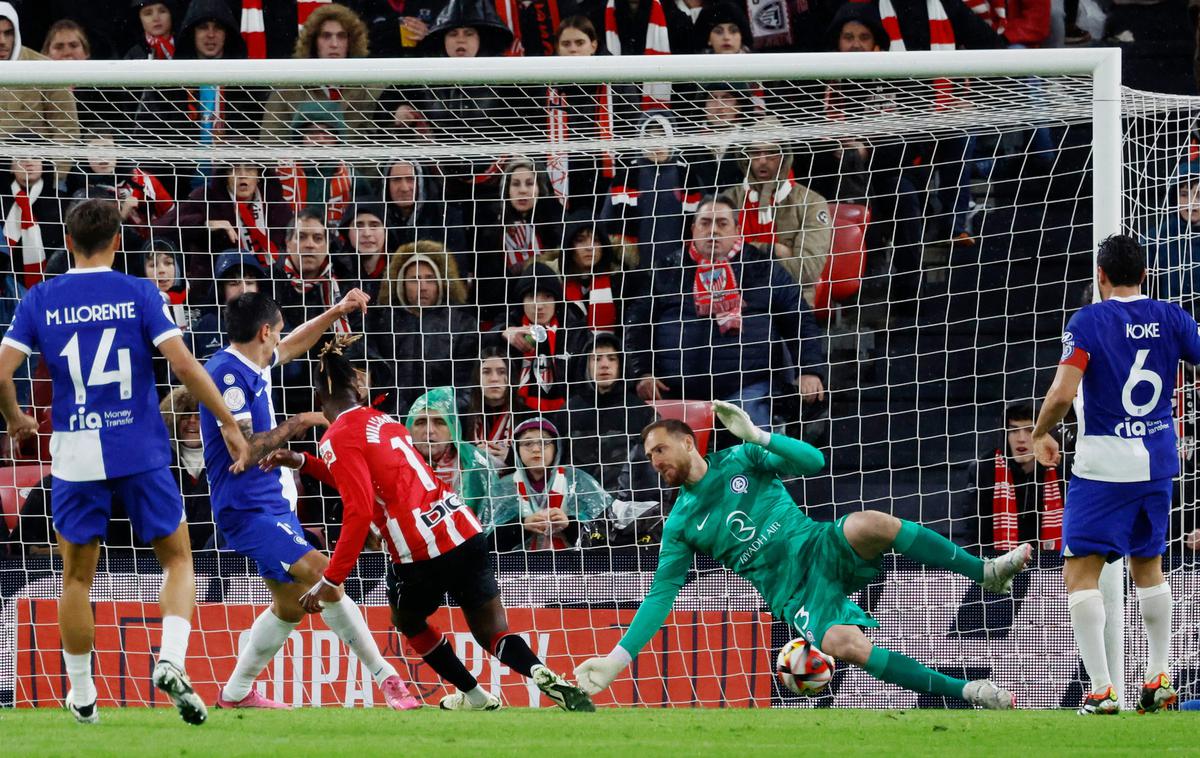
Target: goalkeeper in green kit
732,506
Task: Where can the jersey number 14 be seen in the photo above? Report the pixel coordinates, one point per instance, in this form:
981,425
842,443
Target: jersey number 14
99,374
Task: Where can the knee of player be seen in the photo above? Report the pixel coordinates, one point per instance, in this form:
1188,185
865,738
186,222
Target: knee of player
847,643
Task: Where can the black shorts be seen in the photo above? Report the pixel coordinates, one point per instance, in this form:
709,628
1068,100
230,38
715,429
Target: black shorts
464,572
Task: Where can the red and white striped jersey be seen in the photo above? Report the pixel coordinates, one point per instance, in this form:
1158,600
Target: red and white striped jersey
369,457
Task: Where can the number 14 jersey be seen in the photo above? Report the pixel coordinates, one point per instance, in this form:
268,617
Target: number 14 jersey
369,457
1129,350
96,329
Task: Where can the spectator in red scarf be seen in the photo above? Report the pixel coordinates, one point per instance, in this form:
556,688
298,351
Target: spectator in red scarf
424,327
542,335
1011,498
364,250
326,186
143,197
233,210
781,216
331,32
160,262
32,215
493,408
156,22
592,277
726,322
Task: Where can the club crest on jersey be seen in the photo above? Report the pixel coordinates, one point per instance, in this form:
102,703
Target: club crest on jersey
228,379
1068,341
325,450
739,485
234,398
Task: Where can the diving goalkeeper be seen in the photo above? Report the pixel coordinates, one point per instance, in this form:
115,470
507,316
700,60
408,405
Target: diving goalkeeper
733,507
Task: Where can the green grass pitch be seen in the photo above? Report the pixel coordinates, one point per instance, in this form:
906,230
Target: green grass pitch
625,732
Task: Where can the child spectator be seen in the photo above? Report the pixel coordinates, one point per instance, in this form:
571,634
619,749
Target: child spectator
605,418
547,505
422,323
592,278
156,21
162,264
493,407
235,273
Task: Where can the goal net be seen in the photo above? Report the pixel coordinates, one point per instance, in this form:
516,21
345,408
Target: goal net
875,254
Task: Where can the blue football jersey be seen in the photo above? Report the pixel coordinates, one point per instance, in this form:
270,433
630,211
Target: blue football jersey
96,330
246,390
1129,350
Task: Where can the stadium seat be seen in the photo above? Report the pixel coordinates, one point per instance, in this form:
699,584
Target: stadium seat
842,276
15,483
695,413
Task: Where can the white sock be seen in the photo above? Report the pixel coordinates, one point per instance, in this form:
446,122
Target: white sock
477,696
1155,603
347,622
79,673
267,635
1112,589
1087,620
175,632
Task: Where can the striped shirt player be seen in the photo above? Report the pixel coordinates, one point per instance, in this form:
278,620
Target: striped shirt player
1119,365
369,458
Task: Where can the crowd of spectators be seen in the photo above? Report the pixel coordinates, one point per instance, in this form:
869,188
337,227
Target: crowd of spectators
527,314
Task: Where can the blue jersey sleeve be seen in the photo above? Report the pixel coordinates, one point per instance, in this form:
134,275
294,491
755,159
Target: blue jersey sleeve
1078,340
237,395
22,332
157,324
1188,335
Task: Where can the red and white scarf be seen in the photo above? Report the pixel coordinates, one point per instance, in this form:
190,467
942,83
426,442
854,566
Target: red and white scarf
156,198
500,430
254,30
557,164
537,371
655,95
1004,509
594,296
554,493
23,233
293,183
162,48
521,244
325,281
757,219
510,14
941,33
252,229
994,12
716,291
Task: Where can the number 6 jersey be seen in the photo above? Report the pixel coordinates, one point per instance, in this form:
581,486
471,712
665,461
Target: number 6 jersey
96,329
1128,349
369,457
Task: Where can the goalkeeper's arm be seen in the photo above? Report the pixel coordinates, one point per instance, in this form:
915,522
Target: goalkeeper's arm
595,674
784,456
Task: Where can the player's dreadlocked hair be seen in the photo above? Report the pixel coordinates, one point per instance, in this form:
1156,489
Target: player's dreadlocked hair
336,373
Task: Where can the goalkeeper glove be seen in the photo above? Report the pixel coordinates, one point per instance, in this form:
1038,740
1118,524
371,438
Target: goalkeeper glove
738,421
595,674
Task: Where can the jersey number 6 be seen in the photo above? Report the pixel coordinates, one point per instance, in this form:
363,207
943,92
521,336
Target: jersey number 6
1139,375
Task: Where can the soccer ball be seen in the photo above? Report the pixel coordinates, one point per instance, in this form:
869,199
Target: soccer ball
802,668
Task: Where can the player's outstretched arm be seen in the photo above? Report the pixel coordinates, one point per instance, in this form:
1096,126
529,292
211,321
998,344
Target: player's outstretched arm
303,337
785,455
352,478
20,425
596,674
200,384
1058,401
263,444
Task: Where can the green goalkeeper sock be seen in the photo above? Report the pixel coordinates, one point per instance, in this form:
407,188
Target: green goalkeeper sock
928,547
910,674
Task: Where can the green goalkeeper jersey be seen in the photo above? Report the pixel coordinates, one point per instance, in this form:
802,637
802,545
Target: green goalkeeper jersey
741,515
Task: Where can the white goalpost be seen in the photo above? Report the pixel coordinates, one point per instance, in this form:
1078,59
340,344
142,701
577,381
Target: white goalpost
929,220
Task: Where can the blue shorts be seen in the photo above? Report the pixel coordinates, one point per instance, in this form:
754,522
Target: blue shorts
1116,518
81,510
274,540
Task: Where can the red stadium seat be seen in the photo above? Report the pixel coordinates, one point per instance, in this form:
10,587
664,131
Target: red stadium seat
15,483
842,276
697,414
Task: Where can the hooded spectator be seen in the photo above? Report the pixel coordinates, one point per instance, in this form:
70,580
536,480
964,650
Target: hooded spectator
467,29
723,320
332,31
1174,249
542,335
364,251
326,187
781,216
605,418
416,208
234,273
424,325
181,414
547,505
493,408
50,113
723,28
32,213
160,262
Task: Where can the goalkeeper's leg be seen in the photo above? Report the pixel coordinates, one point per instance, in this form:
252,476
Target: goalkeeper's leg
848,643
871,533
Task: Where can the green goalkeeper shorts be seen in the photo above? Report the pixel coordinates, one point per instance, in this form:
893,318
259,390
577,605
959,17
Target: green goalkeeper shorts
835,571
